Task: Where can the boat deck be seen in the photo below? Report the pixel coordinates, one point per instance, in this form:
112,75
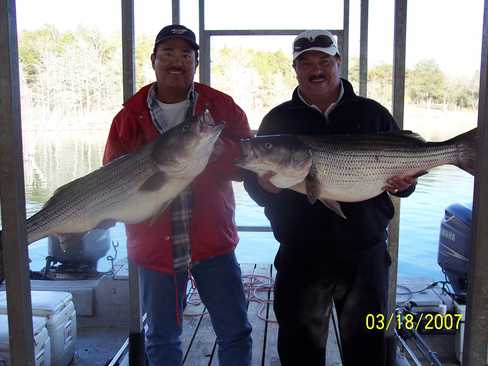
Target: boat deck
199,338
102,309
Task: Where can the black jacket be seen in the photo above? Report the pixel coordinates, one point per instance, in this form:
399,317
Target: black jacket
295,222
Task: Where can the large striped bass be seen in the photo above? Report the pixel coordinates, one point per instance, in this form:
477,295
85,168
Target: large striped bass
350,168
131,189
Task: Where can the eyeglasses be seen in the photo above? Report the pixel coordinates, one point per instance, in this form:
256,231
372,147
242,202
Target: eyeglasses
319,41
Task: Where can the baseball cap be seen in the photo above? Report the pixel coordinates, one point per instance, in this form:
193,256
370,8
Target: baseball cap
176,31
314,40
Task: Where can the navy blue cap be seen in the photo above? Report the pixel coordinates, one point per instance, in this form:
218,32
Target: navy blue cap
176,31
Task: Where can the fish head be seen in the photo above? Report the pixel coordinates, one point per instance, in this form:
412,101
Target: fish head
284,155
186,148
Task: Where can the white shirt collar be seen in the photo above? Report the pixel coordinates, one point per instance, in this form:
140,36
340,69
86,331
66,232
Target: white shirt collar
331,107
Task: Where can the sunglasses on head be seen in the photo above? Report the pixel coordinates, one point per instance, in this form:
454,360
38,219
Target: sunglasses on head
319,41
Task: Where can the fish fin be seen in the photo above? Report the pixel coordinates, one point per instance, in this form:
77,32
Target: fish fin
317,141
106,224
312,185
218,151
155,217
54,197
405,133
154,183
334,206
421,173
65,186
467,144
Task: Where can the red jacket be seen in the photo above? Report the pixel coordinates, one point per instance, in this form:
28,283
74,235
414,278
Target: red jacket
213,231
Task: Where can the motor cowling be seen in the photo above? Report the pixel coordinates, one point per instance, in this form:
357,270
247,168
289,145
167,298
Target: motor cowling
84,251
454,251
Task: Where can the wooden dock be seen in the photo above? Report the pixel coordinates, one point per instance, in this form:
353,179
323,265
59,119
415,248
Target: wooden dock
199,340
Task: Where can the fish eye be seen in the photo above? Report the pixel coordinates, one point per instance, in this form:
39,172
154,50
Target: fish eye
268,145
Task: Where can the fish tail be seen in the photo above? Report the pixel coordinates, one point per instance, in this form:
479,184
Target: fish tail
467,144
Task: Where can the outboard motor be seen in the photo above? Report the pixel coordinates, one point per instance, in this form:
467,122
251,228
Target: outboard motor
455,247
81,254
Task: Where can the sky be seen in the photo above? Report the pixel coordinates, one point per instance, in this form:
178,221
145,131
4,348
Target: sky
448,31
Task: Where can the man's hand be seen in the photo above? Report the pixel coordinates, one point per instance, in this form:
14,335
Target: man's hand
266,184
398,184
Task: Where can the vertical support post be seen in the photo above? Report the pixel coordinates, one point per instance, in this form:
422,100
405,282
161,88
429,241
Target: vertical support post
345,42
128,48
399,55
363,49
204,45
136,330
175,11
12,195
399,41
476,326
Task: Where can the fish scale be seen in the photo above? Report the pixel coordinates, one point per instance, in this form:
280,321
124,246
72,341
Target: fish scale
341,173
96,192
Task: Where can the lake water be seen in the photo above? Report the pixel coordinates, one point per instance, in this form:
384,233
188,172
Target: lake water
52,160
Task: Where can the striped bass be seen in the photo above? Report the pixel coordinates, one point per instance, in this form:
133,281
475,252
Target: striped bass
133,188
350,168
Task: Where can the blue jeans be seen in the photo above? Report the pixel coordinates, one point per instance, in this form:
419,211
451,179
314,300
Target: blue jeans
219,284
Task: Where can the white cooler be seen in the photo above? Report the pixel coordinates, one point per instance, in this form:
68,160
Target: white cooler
59,311
42,345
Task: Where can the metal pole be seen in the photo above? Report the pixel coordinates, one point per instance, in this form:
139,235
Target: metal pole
128,48
400,48
363,50
12,195
204,45
270,32
206,34
175,15
399,42
345,42
136,331
476,326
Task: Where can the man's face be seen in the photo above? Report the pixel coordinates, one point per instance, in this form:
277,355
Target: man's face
174,64
317,73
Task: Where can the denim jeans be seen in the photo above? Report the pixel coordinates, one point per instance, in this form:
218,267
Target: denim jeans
219,284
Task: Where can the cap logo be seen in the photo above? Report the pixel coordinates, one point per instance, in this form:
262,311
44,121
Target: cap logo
178,31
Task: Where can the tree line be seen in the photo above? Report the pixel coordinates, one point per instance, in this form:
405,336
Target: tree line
72,75
425,84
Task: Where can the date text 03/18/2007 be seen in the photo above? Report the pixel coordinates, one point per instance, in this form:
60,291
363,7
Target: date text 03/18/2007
424,321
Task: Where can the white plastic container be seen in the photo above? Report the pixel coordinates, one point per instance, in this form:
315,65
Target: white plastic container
42,344
459,338
59,311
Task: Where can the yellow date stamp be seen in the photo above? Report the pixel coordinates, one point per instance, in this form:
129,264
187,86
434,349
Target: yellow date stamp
424,321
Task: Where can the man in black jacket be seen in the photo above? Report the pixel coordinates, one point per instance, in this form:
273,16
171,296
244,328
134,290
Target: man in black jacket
323,257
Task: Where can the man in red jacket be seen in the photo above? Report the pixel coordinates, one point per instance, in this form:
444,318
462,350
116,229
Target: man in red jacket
197,234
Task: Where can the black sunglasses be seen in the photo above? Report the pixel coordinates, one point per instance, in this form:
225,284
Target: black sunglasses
319,41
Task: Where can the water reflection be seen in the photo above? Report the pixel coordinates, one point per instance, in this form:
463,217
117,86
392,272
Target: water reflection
52,160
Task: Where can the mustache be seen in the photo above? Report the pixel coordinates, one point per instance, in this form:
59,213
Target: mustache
316,77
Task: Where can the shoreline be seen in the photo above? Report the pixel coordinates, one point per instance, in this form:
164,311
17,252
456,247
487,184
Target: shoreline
432,124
